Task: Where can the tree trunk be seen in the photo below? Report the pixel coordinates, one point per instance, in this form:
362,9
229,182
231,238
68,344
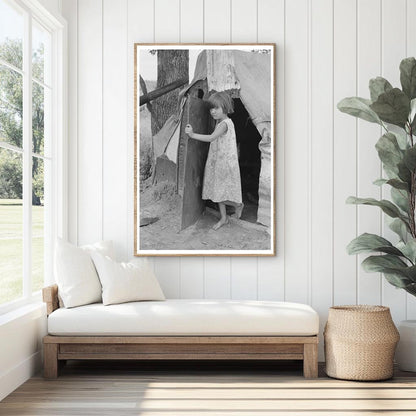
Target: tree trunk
171,66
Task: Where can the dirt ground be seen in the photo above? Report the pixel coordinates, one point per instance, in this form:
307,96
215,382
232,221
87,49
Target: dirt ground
161,201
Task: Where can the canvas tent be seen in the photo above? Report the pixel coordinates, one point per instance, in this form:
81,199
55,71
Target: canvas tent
247,77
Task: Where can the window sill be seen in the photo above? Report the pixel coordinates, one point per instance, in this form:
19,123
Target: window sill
35,307
19,303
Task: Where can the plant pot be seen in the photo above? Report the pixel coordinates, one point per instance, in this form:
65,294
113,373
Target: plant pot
360,341
406,350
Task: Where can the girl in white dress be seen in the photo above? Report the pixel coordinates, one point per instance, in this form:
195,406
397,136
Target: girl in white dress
222,182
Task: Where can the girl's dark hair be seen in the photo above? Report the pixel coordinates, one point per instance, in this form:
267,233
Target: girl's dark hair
223,100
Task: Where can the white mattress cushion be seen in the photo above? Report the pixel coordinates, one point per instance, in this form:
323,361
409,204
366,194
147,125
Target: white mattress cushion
187,317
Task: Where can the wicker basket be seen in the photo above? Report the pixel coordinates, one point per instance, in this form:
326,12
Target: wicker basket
360,341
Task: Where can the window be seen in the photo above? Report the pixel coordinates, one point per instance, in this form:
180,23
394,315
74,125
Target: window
31,142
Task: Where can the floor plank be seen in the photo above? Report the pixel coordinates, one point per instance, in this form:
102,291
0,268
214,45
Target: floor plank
226,389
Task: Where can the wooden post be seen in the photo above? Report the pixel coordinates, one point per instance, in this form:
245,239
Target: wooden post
50,360
50,297
152,95
310,360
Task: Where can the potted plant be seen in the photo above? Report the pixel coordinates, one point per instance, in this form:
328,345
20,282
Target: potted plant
394,109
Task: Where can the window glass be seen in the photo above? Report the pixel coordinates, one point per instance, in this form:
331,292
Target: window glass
26,219
38,118
11,226
41,46
11,34
38,227
11,106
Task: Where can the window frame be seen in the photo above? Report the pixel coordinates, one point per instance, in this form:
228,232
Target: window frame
57,226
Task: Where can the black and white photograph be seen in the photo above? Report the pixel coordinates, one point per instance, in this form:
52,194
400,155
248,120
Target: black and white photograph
204,149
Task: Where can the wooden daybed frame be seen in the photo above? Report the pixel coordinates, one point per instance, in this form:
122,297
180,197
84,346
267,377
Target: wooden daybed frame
58,349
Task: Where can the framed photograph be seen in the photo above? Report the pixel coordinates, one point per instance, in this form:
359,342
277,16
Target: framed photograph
204,127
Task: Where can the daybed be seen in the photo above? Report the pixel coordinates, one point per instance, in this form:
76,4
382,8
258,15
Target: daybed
181,329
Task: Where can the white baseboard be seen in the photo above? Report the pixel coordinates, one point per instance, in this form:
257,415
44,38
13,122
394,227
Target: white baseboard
10,380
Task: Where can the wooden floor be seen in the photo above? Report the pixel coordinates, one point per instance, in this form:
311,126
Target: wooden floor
191,389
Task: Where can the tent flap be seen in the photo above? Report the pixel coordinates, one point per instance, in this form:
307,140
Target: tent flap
265,179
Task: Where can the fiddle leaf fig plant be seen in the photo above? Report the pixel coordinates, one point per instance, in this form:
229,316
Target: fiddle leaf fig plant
394,109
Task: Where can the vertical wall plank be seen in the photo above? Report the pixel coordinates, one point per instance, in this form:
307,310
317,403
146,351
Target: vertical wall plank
192,31
217,28
192,278
192,22
217,278
167,29
70,12
217,21
138,11
393,51
345,151
244,21
411,51
411,28
115,51
167,273
321,167
369,168
271,29
244,29
296,152
244,278
90,128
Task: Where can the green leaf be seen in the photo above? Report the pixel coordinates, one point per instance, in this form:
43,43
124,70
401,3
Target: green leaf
389,208
398,184
404,173
392,107
402,139
390,173
409,158
400,228
381,263
412,109
395,183
397,280
410,272
394,158
378,86
408,249
380,182
389,151
366,243
408,77
359,107
400,198
396,271
411,289
412,115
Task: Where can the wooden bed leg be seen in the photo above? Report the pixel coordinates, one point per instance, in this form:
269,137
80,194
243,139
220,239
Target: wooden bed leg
310,360
50,360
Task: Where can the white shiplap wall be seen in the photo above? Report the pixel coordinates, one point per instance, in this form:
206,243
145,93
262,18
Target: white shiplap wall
326,50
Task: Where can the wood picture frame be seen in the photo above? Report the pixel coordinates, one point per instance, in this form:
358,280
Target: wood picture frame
174,214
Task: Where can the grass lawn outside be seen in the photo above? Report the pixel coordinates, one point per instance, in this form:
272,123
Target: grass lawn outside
11,249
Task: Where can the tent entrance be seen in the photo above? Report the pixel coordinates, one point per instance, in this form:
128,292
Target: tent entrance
192,155
248,139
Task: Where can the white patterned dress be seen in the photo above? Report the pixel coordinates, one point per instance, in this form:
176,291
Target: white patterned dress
222,180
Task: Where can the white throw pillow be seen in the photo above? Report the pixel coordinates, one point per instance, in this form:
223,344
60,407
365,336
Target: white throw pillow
126,282
75,273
